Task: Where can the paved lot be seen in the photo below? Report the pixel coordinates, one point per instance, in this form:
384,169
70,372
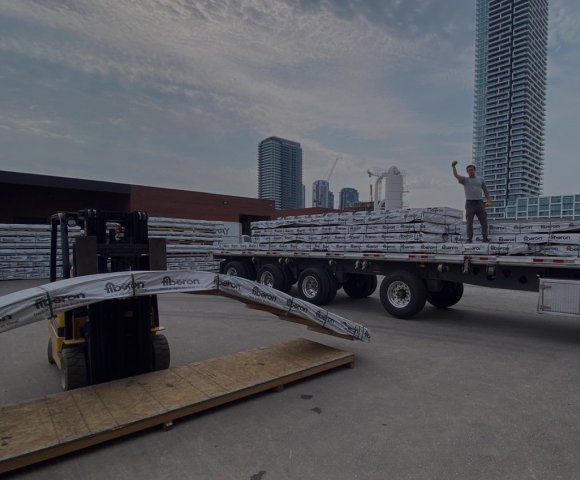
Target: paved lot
488,389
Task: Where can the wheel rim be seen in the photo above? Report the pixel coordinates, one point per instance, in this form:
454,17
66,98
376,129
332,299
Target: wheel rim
267,279
399,294
232,272
310,286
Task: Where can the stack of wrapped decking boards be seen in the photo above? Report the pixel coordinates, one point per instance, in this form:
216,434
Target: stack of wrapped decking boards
25,249
189,242
437,230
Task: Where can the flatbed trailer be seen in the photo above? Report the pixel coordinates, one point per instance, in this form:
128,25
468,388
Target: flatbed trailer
411,279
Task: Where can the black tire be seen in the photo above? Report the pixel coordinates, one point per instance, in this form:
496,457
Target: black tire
161,352
314,286
360,286
251,271
237,269
273,275
449,295
73,368
49,352
403,294
333,288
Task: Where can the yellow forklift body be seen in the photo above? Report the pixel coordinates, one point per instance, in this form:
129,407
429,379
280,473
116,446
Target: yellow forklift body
58,342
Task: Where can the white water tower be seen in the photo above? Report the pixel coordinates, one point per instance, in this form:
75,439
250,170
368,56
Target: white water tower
393,180
393,188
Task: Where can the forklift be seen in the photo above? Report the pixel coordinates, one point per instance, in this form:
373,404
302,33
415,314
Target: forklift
111,339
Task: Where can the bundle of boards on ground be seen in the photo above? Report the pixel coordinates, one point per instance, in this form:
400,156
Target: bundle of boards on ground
438,230
25,248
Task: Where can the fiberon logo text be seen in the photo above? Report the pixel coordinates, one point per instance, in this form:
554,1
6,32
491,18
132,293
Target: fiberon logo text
168,281
55,300
112,288
257,292
228,283
296,306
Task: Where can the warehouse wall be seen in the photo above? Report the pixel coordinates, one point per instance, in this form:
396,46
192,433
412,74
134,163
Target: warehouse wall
35,204
198,205
32,198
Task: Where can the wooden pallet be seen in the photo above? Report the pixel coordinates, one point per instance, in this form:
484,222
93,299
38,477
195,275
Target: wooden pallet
55,425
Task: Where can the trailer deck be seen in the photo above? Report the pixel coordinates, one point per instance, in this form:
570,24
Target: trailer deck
501,260
62,423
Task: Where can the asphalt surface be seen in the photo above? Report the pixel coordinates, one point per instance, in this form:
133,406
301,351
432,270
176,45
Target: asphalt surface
486,390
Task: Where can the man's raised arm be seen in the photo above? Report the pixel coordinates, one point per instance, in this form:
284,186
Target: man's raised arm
455,174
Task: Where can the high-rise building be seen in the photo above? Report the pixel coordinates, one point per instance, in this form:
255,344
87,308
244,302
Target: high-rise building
510,95
348,197
565,207
280,172
321,194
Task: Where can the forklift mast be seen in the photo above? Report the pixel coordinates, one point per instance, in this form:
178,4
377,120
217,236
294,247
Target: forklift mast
119,335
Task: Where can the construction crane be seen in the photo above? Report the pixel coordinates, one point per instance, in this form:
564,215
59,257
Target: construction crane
314,198
332,169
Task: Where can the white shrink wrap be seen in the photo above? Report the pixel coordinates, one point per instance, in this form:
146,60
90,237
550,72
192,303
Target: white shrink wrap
560,250
41,303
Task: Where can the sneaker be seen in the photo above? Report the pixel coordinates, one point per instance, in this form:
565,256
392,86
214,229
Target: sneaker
485,240
468,241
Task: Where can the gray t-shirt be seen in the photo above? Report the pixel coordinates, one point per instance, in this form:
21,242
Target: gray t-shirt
473,187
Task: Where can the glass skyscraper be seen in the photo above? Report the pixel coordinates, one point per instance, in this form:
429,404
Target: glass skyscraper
321,194
565,207
348,197
280,172
510,98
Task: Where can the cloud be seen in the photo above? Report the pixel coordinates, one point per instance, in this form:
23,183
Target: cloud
264,64
47,129
181,86
564,23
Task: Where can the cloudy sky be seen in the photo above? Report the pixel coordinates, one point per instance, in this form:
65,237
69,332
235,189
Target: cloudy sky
178,93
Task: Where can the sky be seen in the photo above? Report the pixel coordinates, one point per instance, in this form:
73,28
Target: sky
178,93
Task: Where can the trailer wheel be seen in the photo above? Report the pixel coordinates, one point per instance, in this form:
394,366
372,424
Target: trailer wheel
360,286
273,275
237,269
403,294
449,295
161,352
73,370
314,286
49,352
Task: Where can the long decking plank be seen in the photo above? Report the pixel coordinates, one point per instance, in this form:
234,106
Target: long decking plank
65,422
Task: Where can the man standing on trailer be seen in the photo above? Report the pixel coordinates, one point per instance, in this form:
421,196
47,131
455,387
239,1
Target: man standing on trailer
474,206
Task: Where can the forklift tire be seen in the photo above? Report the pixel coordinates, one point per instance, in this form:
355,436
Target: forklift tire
73,371
314,286
161,352
273,276
237,269
449,295
403,294
360,286
49,352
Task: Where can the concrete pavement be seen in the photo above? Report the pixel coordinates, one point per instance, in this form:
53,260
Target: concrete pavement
487,389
